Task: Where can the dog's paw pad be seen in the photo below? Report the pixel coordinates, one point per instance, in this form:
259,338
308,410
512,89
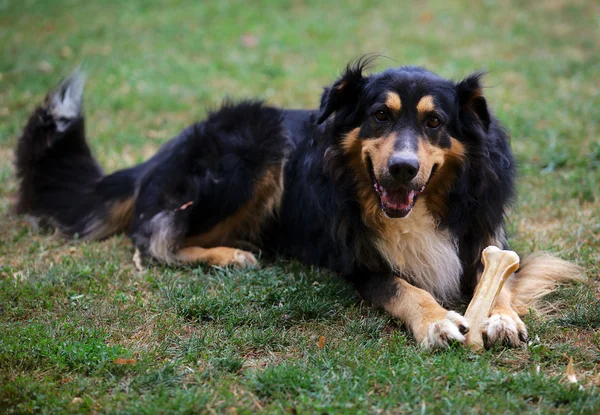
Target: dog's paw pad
442,333
504,329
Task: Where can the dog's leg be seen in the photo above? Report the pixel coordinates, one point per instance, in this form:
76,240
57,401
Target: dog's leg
162,238
220,256
165,235
504,326
432,325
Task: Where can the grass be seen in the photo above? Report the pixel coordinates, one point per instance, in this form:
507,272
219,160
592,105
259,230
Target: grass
82,332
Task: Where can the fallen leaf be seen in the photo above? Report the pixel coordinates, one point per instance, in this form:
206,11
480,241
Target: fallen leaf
321,343
77,400
571,372
45,66
249,40
426,17
66,52
123,361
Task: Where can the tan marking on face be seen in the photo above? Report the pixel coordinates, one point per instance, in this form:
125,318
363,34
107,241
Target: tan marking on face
448,161
357,151
425,105
379,150
429,155
393,101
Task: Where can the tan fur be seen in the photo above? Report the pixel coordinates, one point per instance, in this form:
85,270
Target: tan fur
504,307
448,161
503,304
220,256
393,102
425,105
121,213
119,217
413,247
539,275
415,307
245,224
379,150
353,147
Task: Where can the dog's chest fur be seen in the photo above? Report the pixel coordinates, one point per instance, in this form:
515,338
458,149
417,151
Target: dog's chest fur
417,250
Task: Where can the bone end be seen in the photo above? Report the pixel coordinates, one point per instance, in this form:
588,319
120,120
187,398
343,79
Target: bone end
498,266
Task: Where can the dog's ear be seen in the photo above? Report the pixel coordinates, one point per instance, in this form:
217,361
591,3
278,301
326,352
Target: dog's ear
471,100
346,90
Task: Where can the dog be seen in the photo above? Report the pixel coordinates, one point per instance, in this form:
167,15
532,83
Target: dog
397,182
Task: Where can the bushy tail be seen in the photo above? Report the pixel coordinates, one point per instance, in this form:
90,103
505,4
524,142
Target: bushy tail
538,276
60,182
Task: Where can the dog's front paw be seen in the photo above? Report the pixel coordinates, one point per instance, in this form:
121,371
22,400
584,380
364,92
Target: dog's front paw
243,259
441,333
504,329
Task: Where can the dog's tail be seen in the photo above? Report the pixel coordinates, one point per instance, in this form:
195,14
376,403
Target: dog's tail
539,275
60,182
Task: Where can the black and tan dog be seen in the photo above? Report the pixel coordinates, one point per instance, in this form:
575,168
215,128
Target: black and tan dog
397,182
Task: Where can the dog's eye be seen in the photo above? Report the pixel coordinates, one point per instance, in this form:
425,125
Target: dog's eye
381,115
433,122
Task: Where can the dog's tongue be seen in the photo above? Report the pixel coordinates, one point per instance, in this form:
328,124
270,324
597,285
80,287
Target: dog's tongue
399,200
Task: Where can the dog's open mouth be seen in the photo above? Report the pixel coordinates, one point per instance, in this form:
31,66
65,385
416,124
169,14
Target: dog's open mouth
397,202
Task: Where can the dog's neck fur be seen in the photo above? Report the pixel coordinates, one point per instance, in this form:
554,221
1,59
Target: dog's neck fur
419,251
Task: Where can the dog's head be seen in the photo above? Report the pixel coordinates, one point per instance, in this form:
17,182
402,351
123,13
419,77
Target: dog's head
401,131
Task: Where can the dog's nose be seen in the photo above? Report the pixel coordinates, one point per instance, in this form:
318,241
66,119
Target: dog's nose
403,166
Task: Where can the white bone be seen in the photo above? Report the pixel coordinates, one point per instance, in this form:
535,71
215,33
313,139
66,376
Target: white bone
498,266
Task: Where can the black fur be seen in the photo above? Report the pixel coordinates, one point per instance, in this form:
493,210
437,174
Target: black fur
212,164
61,183
215,163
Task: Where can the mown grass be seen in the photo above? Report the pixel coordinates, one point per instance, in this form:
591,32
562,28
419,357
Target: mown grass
82,331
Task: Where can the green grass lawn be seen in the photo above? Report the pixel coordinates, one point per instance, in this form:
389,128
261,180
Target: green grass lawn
82,331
